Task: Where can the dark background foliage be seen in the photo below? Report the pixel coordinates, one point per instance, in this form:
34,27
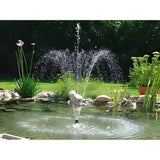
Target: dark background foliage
124,38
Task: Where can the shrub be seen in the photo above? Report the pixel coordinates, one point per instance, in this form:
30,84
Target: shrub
143,71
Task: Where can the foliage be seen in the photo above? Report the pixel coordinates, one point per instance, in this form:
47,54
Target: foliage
26,85
143,71
94,88
125,38
65,83
152,93
118,93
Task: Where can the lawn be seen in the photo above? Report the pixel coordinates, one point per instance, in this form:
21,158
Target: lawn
93,89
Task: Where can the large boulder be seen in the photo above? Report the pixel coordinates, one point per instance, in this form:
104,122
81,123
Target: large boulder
77,100
6,95
45,96
102,100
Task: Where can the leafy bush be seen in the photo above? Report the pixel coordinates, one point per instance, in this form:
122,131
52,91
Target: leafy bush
143,71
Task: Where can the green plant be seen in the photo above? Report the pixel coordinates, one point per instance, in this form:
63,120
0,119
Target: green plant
65,83
26,85
143,71
151,93
118,93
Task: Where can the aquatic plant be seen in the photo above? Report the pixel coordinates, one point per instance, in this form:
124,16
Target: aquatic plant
152,93
26,85
118,93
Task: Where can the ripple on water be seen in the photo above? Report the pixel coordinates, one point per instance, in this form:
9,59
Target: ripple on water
90,126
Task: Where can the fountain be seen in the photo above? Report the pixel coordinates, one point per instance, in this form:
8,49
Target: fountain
53,120
81,63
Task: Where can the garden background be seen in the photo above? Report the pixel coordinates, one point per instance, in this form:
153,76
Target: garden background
126,38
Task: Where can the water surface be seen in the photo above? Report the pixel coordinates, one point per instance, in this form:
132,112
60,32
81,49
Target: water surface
56,121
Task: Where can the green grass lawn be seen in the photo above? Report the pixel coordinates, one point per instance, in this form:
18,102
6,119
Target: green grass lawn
93,89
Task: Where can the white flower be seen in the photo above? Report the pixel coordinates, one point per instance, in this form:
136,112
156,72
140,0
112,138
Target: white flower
20,43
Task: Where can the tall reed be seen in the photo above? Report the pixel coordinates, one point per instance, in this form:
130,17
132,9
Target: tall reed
118,93
152,93
26,85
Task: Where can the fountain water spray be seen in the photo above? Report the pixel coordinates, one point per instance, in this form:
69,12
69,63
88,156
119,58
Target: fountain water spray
76,101
77,50
81,63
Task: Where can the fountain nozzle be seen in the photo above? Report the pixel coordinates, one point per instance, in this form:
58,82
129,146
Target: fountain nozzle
76,121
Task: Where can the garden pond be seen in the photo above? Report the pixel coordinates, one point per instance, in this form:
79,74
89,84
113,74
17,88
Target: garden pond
56,121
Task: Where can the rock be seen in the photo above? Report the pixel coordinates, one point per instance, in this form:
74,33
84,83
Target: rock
75,99
141,98
126,103
6,95
26,100
42,95
109,104
139,104
134,105
14,95
45,96
74,95
103,107
119,110
106,106
78,100
87,102
133,98
158,100
68,102
127,95
103,98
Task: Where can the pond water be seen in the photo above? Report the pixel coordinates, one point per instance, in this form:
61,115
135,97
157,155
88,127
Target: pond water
56,121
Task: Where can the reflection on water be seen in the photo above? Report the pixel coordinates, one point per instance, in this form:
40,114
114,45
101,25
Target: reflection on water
56,121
